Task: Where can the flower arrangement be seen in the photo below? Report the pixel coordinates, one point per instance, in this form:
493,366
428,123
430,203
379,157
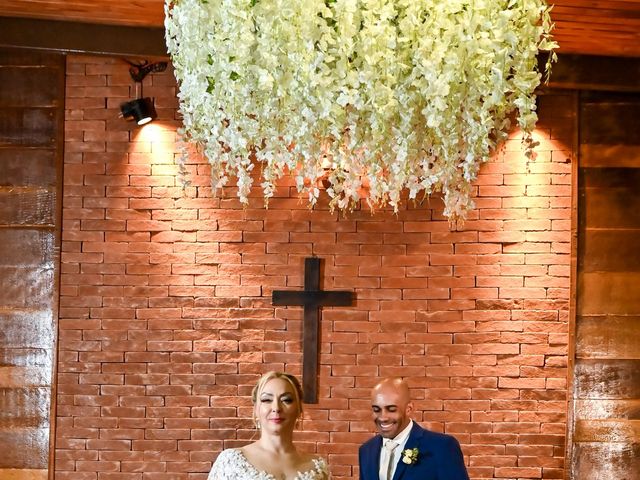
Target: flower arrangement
410,456
374,96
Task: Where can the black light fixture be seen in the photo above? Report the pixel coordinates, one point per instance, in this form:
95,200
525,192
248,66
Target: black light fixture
142,109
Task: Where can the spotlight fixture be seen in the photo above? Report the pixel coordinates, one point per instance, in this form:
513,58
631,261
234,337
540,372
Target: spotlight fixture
142,109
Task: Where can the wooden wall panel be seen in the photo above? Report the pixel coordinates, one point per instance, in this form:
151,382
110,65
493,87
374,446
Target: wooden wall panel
607,121
27,206
31,135
600,408
621,431
606,372
599,460
609,155
39,87
608,336
22,449
28,167
610,197
27,126
610,250
24,407
612,292
607,379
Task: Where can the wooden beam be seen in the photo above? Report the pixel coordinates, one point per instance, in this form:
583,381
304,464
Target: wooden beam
576,72
76,37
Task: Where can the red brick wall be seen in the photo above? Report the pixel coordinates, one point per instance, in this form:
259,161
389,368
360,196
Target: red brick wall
166,318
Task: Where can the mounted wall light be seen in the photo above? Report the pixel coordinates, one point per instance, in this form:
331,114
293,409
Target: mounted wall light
142,110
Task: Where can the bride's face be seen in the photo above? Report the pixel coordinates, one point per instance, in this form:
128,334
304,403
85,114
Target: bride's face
277,409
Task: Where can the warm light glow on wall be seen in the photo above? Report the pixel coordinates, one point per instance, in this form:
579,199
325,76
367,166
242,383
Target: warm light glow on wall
152,132
154,146
157,138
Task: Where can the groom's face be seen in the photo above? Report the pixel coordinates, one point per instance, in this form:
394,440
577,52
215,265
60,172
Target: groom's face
391,411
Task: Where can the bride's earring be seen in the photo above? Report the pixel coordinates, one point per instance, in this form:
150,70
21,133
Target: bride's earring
257,422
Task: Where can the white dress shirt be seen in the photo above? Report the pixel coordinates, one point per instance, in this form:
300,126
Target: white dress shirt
401,440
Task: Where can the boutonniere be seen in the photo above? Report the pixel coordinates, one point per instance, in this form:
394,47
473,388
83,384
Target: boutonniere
410,456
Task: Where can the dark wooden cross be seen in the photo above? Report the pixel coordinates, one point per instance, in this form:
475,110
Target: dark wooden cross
312,299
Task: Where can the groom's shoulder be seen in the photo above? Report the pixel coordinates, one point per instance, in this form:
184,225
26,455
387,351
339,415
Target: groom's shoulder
436,437
369,443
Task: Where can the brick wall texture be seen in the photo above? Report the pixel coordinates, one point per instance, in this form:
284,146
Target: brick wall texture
166,318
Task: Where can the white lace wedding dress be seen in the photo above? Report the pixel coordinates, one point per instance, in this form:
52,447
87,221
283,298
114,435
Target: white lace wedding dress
231,464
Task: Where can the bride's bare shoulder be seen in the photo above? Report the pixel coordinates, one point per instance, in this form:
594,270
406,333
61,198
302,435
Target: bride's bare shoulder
247,447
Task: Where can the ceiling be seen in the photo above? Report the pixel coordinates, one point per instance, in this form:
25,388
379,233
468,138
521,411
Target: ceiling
585,27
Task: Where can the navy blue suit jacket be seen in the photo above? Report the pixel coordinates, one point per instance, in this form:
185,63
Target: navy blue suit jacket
439,457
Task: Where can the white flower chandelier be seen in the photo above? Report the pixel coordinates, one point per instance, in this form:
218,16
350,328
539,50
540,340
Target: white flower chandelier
374,96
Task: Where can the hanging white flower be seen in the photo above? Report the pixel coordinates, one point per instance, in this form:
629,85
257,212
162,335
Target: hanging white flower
392,94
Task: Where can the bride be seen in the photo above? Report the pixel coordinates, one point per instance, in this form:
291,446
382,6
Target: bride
277,400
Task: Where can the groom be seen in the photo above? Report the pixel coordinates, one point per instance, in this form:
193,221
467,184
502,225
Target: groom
403,450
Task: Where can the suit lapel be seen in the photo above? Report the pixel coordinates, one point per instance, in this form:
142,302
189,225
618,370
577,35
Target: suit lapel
373,466
412,442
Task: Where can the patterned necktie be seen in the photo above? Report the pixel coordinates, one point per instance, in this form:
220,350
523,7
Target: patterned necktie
390,446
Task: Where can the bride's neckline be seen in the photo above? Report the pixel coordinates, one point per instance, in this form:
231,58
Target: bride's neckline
249,465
